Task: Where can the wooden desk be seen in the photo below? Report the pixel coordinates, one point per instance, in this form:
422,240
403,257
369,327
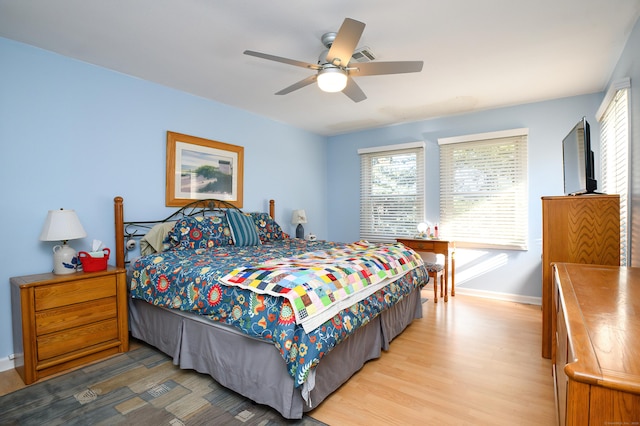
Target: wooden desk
596,345
444,247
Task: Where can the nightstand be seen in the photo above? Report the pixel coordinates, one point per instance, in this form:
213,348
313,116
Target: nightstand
62,322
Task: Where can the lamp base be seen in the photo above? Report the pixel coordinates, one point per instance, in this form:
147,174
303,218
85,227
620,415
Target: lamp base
65,260
299,231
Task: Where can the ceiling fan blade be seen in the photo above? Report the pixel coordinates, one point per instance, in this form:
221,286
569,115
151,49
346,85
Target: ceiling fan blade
283,60
345,42
354,91
379,68
299,85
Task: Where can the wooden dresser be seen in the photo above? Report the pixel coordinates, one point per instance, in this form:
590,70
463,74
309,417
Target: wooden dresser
65,321
597,344
576,229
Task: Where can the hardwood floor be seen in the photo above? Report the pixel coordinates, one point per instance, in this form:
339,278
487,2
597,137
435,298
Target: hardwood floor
470,361
10,381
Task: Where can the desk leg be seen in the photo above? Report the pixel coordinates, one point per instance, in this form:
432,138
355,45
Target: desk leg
446,289
446,280
453,273
435,287
446,275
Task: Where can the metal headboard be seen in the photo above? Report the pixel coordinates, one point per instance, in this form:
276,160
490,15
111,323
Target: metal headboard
129,231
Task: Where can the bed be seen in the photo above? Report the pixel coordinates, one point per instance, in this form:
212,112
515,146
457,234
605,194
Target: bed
206,293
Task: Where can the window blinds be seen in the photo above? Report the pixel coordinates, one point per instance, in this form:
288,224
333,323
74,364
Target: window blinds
391,191
614,154
484,189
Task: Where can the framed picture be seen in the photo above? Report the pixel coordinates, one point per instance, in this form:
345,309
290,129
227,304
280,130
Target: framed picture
201,168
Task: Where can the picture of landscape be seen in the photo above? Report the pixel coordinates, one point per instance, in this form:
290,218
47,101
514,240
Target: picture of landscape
206,174
199,169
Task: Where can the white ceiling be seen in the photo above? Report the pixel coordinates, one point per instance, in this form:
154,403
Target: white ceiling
477,54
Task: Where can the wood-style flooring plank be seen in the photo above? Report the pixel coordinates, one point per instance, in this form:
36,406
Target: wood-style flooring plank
471,361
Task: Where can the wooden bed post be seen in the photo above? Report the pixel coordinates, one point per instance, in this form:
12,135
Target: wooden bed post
119,224
272,209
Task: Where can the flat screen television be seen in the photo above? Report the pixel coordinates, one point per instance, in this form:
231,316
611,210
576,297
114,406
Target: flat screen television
577,161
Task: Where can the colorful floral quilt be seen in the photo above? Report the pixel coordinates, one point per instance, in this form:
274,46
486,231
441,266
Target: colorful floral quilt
321,283
189,280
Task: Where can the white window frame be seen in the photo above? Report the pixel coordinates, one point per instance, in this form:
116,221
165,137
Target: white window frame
387,216
483,195
613,116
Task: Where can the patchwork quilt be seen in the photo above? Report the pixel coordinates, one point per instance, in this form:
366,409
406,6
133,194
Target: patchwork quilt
190,280
321,283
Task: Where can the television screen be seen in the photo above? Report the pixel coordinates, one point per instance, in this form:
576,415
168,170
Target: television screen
577,159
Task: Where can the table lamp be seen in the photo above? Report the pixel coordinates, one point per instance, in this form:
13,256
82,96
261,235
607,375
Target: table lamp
299,217
63,225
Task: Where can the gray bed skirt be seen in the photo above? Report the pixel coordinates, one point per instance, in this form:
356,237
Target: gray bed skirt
253,367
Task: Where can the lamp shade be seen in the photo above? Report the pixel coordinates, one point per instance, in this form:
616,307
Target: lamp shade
62,225
332,79
298,216
422,228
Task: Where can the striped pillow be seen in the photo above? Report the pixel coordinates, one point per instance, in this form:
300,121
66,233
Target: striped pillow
243,229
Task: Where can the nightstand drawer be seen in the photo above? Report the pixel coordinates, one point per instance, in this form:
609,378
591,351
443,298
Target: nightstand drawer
52,320
55,295
73,339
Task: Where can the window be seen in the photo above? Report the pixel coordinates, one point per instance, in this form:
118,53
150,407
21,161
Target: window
614,153
484,189
391,191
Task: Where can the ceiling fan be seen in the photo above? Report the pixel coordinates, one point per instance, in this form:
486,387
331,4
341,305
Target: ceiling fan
334,72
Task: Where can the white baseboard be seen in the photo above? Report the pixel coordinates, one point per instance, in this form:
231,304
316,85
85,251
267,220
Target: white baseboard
517,298
6,364
508,297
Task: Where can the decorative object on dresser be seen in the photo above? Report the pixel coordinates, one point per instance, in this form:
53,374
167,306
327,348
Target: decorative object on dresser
298,218
596,365
437,246
63,225
576,229
62,322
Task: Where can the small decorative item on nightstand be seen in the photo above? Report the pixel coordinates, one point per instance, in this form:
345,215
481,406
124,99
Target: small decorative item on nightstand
94,261
63,225
299,217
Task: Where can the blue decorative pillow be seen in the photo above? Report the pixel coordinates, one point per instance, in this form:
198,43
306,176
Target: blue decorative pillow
243,229
194,232
268,229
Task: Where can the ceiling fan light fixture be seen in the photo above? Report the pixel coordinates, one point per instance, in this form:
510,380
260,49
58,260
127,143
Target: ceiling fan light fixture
332,79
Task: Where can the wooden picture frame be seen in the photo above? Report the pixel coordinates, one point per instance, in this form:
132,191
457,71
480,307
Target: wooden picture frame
200,168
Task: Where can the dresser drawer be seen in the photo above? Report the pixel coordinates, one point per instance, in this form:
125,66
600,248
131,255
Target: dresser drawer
52,320
73,339
56,295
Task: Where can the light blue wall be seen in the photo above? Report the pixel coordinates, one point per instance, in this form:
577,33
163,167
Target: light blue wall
629,66
75,135
511,272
